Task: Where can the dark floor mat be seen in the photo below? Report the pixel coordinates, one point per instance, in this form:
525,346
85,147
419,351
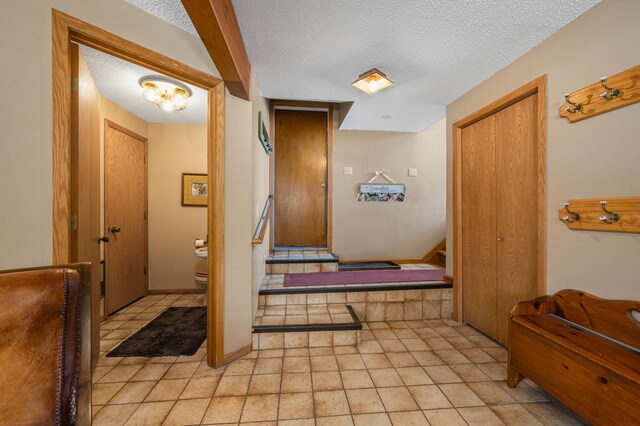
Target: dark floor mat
177,331
360,266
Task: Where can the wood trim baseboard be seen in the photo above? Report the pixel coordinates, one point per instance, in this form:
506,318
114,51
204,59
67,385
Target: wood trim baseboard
238,353
432,253
177,291
539,88
448,279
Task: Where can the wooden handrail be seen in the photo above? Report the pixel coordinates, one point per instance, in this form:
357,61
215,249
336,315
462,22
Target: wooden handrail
261,229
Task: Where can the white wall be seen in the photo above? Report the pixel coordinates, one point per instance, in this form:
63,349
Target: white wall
238,181
389,230
593,158
260,168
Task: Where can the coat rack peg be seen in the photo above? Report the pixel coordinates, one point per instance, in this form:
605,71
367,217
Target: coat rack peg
611,93
574,216
612,218
574,106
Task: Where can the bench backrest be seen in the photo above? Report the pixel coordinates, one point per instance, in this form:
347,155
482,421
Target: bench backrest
613,318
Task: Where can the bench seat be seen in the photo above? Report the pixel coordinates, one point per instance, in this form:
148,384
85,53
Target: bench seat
595,376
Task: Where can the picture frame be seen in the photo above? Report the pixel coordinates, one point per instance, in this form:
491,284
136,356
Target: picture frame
263,135
195,190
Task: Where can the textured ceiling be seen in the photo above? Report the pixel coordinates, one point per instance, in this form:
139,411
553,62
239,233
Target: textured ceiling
170,11
433,50
117,80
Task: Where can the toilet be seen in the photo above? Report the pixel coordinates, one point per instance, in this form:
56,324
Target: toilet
200,277
202,282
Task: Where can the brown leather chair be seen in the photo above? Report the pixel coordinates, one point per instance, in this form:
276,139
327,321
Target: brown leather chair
40,345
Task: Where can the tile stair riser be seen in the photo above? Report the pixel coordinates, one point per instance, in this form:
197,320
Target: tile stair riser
396,305
310,339
300,268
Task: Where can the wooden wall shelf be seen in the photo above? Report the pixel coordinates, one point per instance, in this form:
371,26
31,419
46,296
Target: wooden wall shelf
589,101
621,215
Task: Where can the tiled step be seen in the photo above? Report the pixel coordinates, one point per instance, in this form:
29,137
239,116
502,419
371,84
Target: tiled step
371,303
302,326
301,263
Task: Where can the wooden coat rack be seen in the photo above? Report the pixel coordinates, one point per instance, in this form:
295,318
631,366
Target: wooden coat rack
608,94
602,214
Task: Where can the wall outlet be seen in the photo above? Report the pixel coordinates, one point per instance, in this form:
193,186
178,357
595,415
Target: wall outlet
413,172
348,170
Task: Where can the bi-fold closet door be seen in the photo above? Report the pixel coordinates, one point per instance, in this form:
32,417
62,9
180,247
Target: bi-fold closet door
499,216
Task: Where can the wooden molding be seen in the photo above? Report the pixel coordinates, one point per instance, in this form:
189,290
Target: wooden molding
66,29
238,353
448,279
215,227
592,103
217,25
539,88
434,251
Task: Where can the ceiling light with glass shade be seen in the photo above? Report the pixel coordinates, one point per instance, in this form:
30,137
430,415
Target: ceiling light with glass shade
167,93
372,81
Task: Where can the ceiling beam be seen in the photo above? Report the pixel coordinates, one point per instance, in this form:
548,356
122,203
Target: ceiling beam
216,23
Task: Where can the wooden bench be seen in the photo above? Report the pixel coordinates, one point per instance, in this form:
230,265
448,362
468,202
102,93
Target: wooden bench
581,349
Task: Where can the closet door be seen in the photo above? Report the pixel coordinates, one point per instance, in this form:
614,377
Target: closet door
516,209
479,225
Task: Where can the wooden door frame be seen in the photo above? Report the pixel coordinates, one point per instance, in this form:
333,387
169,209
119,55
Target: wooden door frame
108,124
536,87
67,29
303,106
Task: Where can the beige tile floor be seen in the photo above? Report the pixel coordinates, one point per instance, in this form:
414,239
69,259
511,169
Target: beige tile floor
433,372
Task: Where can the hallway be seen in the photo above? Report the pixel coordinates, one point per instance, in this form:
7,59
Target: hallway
436,372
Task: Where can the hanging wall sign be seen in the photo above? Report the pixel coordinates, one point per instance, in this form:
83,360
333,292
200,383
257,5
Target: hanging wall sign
381,192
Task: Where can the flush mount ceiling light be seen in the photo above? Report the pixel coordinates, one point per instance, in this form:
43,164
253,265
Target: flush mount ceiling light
372,81
167,93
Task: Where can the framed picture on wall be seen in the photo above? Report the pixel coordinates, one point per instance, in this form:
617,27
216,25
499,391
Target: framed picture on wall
195,189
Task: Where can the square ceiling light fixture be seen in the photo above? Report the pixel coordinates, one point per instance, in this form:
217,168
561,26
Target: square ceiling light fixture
372,81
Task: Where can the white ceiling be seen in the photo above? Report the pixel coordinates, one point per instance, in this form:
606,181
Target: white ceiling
433,50
117,80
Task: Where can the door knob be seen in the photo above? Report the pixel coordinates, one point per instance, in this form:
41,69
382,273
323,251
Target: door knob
103,239
323,184
500,238
114,229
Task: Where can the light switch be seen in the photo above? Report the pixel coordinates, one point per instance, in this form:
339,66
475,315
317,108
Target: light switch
413,172
348,170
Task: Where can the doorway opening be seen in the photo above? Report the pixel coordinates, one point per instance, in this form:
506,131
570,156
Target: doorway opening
76,179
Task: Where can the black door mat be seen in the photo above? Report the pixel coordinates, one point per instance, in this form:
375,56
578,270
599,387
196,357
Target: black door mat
177,331
361,266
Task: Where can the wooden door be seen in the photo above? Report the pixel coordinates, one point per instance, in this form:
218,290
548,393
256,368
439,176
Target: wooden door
479,225
125,197
499,216
517,216
85,183
301,180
